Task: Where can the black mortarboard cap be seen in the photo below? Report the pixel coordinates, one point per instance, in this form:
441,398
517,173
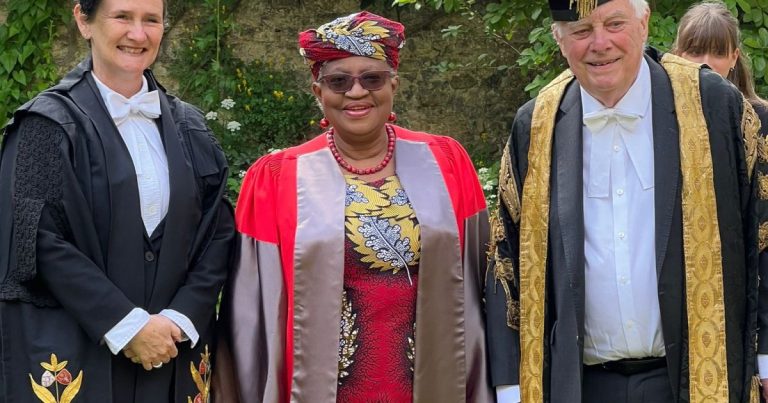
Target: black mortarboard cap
572,10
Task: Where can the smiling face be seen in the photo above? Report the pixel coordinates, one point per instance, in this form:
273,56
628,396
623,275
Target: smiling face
605,50
358,113
125,38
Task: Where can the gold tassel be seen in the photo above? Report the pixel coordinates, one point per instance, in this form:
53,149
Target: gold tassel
584,7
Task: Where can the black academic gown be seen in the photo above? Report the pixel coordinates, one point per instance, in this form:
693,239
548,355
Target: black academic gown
564,322
75,257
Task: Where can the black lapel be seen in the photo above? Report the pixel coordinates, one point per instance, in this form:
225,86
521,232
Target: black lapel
568,191
125,249
183,211
666,157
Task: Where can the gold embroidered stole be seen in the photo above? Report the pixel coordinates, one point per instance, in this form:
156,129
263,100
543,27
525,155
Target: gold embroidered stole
701,240
534,226
701,237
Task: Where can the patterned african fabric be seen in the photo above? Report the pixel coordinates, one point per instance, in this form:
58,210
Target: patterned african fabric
359,34
381,258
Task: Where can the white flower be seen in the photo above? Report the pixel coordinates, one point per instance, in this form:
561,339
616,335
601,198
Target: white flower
211,115
488,187
241,174
274,150
233,126
228,103
482,171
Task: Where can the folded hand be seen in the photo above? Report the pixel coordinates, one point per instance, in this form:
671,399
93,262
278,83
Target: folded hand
155,343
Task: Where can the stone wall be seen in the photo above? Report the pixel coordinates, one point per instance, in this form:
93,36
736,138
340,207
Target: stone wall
473,103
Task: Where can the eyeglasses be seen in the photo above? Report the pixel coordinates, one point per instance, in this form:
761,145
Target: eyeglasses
370,80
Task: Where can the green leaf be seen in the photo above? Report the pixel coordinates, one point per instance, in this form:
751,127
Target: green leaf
28,22
744,4
752,42
757,16
763,33
20,77
26,51
759,64
8,60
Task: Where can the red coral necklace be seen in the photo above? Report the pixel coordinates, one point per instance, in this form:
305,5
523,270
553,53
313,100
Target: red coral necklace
363,171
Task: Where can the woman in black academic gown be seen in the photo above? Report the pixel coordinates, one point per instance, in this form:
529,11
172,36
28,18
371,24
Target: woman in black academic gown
115,236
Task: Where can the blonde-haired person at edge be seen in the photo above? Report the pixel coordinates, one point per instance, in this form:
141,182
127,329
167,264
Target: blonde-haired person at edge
115,235
363,249
708,33
625,265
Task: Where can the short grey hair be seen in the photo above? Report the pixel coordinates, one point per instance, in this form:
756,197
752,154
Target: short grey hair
640,6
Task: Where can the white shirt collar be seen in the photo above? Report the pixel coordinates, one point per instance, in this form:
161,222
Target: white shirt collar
108,94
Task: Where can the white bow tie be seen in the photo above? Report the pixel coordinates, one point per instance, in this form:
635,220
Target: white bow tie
146,104
597,120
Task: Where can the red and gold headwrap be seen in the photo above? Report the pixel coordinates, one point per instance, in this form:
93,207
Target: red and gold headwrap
359,34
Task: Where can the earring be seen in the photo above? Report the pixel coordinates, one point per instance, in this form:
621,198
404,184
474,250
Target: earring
324,123
392,118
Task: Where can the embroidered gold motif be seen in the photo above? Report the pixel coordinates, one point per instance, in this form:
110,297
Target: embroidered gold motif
763,236
762,186
504,273
534,226
762,148
508,187
56,374
347,346
201,375
750,125
708,371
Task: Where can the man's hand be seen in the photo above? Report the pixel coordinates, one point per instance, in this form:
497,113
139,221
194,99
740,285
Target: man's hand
155,343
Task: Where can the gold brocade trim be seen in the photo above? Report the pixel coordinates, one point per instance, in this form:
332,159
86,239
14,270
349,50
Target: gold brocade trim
755,389
534,226
701,240
503,272
763,236
750,126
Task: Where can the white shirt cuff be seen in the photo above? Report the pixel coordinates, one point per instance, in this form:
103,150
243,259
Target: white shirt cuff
122,333
188,331
508,394
762,365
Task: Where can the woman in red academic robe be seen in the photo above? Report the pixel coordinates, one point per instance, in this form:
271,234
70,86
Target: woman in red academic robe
363,249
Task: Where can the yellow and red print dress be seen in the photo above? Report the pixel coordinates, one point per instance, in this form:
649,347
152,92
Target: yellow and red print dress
376,343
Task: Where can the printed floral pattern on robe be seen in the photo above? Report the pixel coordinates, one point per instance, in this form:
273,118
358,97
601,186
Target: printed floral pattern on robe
377,329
